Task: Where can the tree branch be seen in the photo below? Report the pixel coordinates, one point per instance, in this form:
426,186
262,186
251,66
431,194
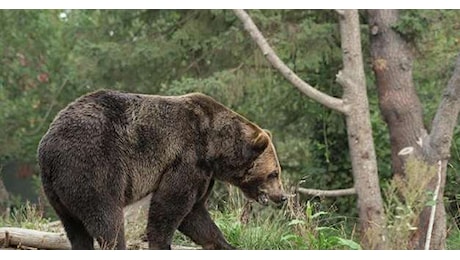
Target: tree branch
305,88
445,119
345,80
327,193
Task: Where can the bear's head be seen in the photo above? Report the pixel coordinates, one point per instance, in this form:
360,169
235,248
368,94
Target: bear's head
262,180
238,151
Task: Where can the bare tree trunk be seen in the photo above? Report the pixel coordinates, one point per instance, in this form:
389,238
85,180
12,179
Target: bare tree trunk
359,129
402,111
398,100
355,107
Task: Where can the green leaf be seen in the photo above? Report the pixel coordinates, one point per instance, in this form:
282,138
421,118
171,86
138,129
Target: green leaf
430,203
318,214
290,237
296,222
348,243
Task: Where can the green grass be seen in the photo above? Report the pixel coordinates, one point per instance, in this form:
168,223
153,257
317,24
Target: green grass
280,229
25,216
453,239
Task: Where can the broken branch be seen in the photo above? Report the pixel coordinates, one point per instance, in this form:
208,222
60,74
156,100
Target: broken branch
327,193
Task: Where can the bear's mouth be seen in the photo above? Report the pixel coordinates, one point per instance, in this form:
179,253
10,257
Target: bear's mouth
263,198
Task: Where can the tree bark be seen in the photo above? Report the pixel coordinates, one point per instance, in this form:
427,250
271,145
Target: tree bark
355,107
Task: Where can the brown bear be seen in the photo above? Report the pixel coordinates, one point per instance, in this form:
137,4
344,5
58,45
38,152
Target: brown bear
108,149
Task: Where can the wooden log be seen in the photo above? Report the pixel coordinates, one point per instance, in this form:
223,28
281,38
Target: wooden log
17,237
12,237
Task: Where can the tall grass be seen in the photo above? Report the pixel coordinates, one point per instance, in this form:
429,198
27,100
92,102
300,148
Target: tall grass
406,197
291,227
280,229
27,215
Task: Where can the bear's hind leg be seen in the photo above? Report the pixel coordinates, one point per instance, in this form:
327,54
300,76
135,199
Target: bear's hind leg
199,226
77,234
75,230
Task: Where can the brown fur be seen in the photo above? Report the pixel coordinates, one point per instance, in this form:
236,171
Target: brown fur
108,149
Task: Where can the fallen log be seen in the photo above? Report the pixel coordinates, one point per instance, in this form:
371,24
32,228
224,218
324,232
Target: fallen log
22,238
18,237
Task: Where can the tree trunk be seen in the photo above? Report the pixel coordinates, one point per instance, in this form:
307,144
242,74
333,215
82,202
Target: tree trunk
359,129
398,100
402,111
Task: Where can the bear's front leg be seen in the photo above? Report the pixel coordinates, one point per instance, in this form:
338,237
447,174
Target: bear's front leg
170,203
199,226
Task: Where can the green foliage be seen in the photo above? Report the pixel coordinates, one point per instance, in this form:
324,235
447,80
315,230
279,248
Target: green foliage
411,24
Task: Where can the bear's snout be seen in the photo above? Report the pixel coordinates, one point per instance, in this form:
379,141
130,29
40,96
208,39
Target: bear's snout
280,198
277,196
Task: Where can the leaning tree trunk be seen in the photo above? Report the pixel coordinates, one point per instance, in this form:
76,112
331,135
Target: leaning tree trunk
436,150
402,111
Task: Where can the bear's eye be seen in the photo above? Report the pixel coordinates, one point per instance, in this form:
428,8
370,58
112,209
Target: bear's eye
273,175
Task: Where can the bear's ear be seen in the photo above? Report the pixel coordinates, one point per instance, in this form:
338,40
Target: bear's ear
260,141
268,133
256,140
